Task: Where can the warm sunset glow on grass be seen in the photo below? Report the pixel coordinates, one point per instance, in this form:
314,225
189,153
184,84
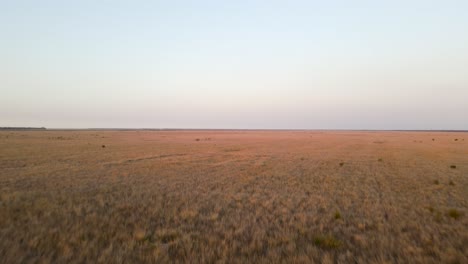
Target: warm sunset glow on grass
247,131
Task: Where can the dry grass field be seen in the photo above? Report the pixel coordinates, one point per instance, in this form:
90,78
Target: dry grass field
233,197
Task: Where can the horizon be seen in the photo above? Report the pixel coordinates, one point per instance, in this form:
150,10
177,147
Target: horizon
241,66
222,129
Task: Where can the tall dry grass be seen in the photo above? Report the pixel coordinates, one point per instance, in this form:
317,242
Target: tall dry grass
233,197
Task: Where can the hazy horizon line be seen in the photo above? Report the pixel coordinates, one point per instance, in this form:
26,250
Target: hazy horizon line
223,129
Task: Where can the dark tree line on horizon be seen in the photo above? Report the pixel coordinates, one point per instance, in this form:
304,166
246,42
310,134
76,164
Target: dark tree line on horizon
22,128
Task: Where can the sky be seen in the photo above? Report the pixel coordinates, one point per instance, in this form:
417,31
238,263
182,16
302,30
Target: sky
234,64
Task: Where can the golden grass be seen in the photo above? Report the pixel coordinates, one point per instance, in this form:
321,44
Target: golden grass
233,197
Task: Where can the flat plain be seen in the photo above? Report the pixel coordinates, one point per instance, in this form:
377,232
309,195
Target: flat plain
233,197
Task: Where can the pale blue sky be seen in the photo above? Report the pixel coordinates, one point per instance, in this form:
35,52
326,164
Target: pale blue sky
234,64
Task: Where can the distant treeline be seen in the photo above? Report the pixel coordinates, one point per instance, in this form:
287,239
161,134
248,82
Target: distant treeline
22,128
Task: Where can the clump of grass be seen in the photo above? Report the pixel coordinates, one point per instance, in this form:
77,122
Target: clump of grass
454,213
436,182
188,214
327,242
451,183
431,209
167,236
197,139
302,158
341,164
139,234
380,159
453,166
103,146
337,215
456,139
433,139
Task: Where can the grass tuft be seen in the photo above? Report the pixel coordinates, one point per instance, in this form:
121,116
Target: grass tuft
167,236
453,166
341,164
454,213
337,215
327,242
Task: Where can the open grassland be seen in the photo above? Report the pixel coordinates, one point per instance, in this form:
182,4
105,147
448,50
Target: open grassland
233,197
